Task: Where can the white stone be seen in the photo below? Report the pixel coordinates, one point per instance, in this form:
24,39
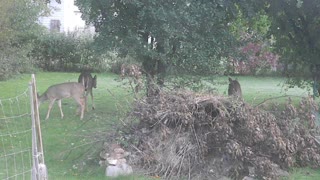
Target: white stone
112,161
120,169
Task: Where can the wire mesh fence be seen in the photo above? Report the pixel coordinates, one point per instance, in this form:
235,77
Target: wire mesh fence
21,154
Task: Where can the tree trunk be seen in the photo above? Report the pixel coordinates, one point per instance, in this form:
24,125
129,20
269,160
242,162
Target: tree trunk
154,68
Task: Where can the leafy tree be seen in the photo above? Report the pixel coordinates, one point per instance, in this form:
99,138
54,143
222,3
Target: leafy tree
18,19
187,36
296,27
255,54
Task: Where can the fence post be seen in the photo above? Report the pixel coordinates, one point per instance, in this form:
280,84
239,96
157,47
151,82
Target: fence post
39,169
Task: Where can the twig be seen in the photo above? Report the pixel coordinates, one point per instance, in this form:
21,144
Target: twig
111,93
277,97
83,123
70,150
141,152
189,174
181,162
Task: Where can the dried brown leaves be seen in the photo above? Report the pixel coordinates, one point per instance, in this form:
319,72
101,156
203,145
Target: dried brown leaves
183,133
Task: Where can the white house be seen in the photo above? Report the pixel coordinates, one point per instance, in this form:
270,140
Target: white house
65,17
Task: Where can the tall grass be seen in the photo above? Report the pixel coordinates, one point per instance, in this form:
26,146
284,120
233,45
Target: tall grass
71,145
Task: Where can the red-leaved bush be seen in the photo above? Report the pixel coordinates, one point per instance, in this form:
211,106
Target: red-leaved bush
258,59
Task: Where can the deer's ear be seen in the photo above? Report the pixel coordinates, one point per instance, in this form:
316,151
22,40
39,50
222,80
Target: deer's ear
95,77
230,80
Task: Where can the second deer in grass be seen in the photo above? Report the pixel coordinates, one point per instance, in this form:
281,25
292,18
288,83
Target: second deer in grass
65,90
234,89
88,82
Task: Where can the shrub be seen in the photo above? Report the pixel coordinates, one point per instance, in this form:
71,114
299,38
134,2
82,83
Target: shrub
67,52
18,30
14,60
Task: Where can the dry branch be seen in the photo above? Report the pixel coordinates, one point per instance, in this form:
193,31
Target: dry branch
199,135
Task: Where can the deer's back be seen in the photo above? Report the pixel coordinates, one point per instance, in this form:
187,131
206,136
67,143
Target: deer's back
65,90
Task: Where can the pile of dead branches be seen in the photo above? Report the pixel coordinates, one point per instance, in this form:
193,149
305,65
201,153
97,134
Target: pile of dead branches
183,134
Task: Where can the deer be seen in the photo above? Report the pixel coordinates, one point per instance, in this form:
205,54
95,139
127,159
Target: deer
234,88
61,91
88,82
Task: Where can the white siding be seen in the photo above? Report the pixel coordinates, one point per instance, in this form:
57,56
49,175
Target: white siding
68,14
57,13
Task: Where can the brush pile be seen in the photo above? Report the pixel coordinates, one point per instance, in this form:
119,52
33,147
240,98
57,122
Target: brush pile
201,136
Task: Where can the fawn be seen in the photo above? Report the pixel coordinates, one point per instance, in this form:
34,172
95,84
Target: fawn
65,90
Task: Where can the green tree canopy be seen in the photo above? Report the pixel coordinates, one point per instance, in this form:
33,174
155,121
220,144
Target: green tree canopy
194,35
186,32
190,36
296,27
18,28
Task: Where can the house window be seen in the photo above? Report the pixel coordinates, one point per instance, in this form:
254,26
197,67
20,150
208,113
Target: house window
55,25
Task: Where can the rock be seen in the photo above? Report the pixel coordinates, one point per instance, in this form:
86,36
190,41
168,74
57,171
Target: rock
119,169
103,163
112,161
278,172
224,178
248,178
116,155
281,173
104,154
119,150
115,160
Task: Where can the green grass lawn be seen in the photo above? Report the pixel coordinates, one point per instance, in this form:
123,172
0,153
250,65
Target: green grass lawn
256,90
70,148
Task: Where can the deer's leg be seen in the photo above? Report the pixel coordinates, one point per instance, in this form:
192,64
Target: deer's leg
78,107
60,107
50,107
83,106
86,100
82,103
93,107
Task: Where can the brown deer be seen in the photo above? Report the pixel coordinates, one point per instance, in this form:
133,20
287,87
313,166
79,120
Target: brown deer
132,71
88,82
65,90
234,88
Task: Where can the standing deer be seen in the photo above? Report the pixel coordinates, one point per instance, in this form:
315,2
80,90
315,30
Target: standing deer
234,88
61,91
88,82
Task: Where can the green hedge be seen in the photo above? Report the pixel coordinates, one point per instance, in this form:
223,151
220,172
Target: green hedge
67,52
